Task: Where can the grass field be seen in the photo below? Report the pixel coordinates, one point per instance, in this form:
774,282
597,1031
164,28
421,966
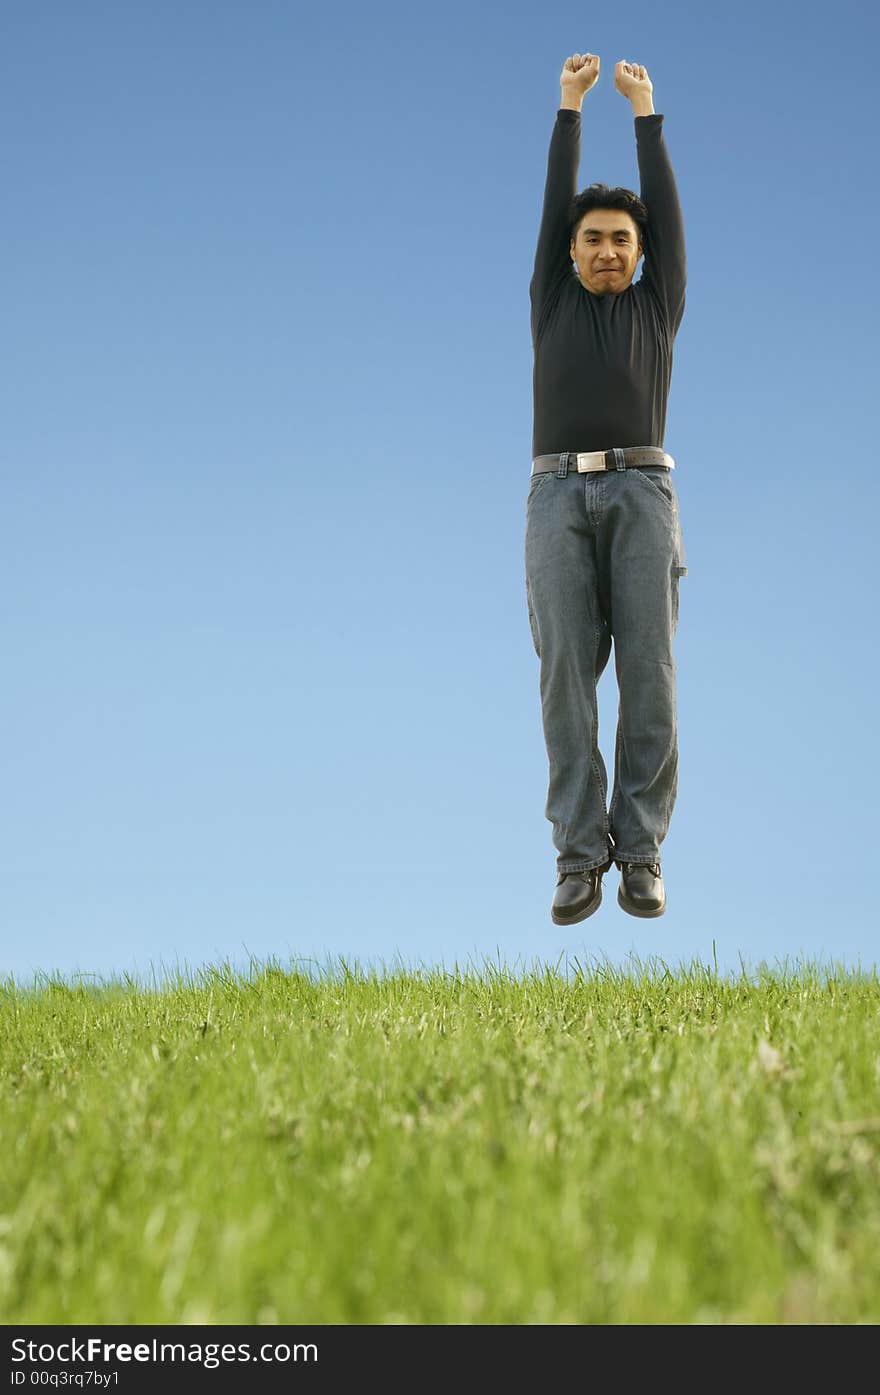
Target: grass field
649,1145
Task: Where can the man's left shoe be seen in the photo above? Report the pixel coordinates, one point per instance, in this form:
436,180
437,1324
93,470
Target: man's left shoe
641,889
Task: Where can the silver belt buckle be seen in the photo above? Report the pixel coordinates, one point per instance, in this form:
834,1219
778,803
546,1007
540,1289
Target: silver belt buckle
590,460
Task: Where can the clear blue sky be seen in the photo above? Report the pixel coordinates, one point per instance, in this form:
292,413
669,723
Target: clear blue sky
268,685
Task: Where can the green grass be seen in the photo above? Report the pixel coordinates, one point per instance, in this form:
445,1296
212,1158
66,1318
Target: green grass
601,1146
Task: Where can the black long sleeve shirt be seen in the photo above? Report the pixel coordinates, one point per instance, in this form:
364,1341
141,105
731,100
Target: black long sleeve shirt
603,363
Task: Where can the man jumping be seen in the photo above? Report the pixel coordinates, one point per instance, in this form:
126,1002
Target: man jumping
603,548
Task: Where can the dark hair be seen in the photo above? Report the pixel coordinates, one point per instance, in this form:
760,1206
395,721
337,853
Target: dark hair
600,196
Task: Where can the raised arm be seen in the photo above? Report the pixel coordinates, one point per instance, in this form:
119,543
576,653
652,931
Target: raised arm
665,265
579,73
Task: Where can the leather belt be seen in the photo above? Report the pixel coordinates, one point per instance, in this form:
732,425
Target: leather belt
616,458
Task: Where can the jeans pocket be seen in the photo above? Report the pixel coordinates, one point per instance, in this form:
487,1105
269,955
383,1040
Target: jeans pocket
659,481
537,480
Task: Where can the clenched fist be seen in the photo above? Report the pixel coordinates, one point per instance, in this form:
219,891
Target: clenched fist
631,79
579,73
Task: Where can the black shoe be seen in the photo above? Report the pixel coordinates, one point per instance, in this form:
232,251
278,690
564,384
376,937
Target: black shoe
641,890
578,894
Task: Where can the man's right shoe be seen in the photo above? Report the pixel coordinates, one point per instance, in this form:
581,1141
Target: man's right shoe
578,894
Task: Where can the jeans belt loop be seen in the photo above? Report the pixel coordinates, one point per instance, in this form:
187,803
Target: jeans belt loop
563,465
619,458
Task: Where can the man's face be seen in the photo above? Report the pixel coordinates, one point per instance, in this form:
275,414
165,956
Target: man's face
606,250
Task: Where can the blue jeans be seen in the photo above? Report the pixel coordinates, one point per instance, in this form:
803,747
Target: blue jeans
604,553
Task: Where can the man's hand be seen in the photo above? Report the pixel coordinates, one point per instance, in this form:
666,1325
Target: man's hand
632,80
579,73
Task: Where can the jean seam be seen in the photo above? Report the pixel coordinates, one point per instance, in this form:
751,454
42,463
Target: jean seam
673,786
584,866
618,749
594,764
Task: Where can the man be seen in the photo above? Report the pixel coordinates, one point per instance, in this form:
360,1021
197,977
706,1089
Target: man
604,548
